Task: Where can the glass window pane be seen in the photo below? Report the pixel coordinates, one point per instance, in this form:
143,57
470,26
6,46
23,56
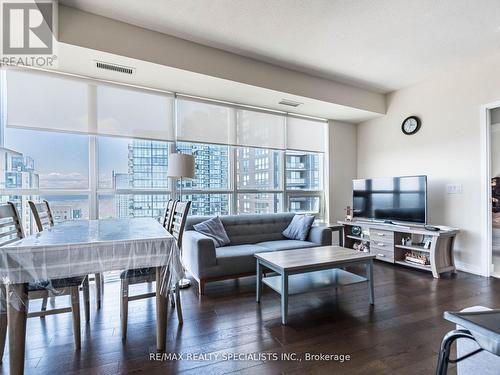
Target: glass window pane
134,113
259,203
309,204
211,166
208,204
132,205
68,207
45,160
304,171
63,207
132,163
258,168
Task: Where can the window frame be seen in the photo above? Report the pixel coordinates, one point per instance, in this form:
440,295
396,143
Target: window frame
94,191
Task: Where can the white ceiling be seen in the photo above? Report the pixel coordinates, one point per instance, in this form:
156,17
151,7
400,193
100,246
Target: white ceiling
382,45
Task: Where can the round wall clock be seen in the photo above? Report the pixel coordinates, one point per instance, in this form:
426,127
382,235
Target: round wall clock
411,125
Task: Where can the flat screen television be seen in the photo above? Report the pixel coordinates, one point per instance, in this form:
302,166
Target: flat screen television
399,199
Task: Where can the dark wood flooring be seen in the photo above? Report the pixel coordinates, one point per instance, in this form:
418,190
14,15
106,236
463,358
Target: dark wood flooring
399,335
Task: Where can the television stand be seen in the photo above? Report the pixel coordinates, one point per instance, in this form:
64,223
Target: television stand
410,246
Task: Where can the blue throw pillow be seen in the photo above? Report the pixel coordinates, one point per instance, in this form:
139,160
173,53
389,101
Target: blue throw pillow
299,227
214,229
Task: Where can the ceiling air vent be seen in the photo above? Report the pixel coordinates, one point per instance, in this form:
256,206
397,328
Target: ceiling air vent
290,103
114,67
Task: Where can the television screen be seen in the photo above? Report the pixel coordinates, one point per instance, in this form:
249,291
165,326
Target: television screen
393,198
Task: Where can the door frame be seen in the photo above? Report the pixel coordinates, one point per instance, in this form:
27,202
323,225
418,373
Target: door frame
486,212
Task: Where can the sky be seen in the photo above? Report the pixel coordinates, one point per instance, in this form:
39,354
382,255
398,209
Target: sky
61,159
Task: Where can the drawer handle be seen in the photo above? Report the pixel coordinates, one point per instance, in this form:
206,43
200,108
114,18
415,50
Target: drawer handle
381,255
381,234
381,244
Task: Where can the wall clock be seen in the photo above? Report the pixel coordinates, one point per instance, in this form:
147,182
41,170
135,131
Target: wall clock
411,125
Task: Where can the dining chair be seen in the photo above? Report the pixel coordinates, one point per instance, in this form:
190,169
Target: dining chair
11,231
44,219
175,217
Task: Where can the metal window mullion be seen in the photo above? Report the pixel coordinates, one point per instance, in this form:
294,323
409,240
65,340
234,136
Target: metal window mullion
233,207
93,157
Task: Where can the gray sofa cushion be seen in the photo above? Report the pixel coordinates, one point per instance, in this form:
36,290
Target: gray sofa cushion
250,229
237,258
299,227
214,229
286,245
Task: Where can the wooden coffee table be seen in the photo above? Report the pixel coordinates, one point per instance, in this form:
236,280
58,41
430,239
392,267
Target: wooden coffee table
304,270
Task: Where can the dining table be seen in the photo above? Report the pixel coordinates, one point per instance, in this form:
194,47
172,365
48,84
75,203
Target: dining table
82,247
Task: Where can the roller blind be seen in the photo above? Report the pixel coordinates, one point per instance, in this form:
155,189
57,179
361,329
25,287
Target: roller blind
49,102
128,112
45,102
304,134
260,129
199,121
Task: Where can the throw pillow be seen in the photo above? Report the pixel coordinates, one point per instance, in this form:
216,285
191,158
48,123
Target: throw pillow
214,229
299,228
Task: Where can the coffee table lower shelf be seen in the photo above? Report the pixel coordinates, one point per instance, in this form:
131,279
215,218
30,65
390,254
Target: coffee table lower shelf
306,282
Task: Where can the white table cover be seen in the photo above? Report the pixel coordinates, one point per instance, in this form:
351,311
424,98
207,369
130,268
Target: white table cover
81,247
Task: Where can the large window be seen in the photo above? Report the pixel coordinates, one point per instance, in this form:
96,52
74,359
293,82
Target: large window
102,152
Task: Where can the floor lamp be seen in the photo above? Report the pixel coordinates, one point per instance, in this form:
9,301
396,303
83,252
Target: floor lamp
181,166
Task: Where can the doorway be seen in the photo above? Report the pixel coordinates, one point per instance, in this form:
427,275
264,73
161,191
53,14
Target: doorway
493,179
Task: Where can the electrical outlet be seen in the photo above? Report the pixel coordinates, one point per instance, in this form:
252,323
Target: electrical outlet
454,189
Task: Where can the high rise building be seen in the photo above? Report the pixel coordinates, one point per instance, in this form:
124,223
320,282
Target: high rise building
18,172
211,173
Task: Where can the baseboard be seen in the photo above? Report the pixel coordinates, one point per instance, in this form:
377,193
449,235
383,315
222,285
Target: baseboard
469,268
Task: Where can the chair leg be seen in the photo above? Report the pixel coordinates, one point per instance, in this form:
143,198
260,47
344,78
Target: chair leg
98,290
3,319
178,303
201,287
75,310
171,297
124,307
44,303
86,298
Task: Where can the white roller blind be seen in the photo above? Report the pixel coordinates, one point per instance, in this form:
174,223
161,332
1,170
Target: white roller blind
260,129
199,121
128,112
46,102
305,134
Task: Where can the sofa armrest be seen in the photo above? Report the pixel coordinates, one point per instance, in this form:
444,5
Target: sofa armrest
320,235
198,252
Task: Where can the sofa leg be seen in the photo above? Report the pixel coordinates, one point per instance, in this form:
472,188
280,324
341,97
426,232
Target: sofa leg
201,287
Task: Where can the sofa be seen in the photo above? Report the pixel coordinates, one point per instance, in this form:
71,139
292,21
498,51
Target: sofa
248,234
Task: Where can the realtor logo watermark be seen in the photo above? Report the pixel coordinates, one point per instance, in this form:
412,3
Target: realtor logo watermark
27,33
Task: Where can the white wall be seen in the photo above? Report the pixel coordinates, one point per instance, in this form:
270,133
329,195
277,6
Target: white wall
447,148
342,167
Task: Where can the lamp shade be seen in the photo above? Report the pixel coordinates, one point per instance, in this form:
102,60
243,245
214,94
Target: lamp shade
180,165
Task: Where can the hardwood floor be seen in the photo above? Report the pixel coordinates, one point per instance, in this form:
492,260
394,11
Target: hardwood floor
399,335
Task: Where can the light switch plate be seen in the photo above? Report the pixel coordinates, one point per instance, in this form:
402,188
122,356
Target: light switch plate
454,189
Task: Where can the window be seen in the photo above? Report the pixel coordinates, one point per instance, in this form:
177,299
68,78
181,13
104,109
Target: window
132,205
46,160
259,203
126,165
258,168
247,160
304,170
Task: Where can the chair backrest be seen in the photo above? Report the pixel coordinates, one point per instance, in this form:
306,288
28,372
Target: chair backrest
180,214
42,214
169,214
10,226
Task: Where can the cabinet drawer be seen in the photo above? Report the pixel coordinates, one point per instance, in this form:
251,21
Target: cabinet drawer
382,245
381,235
386,256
